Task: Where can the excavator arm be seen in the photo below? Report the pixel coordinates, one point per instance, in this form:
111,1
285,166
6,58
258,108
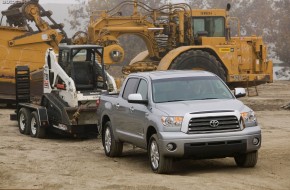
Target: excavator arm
19,14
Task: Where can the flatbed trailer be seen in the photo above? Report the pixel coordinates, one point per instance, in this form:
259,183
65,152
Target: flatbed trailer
71,89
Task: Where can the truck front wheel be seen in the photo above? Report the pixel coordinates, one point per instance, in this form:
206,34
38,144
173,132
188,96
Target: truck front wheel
35,129
23,121
158,163
111,146
247,160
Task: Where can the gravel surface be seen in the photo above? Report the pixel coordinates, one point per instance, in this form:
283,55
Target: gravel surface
66,163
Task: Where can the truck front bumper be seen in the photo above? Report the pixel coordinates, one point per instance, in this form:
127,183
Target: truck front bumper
210,145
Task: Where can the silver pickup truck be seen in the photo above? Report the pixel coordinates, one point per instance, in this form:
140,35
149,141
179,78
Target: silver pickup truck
179,114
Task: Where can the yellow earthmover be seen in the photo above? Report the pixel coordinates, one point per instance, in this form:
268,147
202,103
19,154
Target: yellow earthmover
24,39
178,37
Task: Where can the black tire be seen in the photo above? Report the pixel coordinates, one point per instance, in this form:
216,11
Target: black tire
35,129
198,60
247,160
159,164
111,146
23,121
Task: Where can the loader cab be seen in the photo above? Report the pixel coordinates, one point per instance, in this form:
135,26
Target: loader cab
209,26
209,23
84,64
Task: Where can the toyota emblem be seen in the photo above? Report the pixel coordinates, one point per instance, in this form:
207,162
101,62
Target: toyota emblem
214,123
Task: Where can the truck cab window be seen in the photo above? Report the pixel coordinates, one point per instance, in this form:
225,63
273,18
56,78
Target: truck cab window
131,87
143,89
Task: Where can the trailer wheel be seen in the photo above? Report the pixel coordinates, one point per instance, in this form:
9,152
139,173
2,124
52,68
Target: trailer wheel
23,121
159,164
35,129
111,146
198,60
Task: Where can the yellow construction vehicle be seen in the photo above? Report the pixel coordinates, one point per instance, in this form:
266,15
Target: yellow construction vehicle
27,33
178,37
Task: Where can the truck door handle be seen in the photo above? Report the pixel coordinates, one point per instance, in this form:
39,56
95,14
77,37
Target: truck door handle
132,109
117,106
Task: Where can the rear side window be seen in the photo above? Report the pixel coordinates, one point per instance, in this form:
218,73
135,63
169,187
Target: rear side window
131,87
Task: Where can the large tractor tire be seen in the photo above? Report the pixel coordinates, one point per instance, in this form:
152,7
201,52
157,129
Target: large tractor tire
198,60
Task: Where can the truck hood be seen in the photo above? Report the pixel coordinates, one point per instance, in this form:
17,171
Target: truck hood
183,107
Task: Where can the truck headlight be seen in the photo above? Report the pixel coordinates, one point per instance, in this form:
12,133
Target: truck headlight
249,118
171,121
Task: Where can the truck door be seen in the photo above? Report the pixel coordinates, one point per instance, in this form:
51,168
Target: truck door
121,110
137,115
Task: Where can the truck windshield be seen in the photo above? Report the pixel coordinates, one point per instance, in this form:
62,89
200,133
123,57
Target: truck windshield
214,26
189,88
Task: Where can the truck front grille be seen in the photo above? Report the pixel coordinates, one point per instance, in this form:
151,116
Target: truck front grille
213,124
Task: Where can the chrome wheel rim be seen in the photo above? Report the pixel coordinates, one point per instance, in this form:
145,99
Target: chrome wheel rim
108,140
154,155
22,122
33,125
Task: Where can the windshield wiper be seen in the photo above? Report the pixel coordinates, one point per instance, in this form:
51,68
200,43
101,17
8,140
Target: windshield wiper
208,98
174,100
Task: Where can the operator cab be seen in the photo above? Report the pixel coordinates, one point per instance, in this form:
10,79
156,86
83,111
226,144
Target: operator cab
80,63
213,26
209,23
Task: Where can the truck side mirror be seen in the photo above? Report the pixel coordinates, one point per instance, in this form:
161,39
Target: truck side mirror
240,92
137,99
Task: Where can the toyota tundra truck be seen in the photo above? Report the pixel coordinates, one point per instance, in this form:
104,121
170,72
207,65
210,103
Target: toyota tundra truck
179,114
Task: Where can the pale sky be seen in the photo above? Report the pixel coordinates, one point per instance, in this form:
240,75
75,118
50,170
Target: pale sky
58,1
4,4
41,1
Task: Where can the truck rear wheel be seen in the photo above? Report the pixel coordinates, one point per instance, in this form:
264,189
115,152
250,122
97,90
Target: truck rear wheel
35,129
23,121
111,146
247,160
198,60
158,163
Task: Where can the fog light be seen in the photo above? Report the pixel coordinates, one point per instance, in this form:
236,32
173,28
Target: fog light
256,141
171,146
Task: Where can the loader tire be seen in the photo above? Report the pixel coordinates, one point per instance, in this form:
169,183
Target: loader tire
198,60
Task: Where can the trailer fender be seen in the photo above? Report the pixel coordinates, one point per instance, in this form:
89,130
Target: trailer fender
40,110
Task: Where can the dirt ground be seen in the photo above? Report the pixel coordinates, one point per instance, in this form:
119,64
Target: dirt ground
67,163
